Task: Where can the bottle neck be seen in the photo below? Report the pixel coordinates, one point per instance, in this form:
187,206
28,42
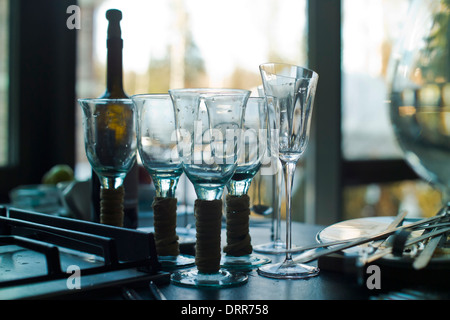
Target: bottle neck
114,73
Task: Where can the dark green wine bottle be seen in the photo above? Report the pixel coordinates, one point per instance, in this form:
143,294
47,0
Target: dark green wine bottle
114,90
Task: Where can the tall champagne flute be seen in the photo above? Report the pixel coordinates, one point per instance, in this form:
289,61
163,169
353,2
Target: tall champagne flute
110,143
253,144
209,122
277,245
291,91
156,143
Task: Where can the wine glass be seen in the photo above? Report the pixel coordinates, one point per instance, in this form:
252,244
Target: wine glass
110,143
277,245
253,144
290,90
420,93
209,122
156,143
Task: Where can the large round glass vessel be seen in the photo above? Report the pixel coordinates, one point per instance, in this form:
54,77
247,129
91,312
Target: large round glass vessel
420,92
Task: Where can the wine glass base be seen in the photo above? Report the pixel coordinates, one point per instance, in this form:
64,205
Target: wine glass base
186,239
186,235
272,248
288,270
221,279
246,262
176,262
184,231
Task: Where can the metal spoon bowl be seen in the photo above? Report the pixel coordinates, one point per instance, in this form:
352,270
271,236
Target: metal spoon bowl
262,209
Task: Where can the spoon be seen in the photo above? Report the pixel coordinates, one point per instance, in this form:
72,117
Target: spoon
261,209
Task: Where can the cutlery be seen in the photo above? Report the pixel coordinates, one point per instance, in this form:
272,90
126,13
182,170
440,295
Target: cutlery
424,257
307,256
375,245
361,240
415,240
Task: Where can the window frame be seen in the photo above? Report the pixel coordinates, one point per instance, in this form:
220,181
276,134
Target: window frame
42,64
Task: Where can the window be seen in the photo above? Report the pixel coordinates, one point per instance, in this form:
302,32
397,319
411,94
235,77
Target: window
370,29
167,44
4,82
187,43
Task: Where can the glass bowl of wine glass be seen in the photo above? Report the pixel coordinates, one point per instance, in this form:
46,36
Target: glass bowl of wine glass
420,92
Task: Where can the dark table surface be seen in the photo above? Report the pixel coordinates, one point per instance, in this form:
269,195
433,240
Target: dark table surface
332,283
326,285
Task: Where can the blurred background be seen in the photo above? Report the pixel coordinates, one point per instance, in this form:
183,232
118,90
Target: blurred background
353,167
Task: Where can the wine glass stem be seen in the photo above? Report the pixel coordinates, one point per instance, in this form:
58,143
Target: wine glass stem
111,206
288,170
185,201
165,188
276,215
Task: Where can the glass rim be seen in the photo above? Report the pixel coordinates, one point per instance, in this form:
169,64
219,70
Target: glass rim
257,98
105,100
314,74
208,91
143,96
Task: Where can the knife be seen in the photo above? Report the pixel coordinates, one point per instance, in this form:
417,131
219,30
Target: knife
425,256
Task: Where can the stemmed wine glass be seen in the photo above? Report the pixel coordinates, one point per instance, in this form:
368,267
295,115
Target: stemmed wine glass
110,144
277,245
209,122
290,90
253,144
156,143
